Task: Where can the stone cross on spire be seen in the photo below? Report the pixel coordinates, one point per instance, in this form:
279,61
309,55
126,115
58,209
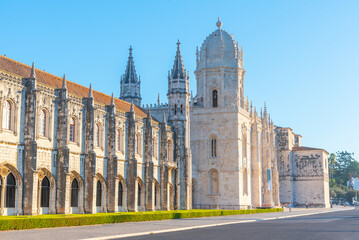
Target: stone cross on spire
178,71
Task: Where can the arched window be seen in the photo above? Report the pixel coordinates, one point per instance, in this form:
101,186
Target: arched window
120,194
245,182
139,192
72,130
10,191
213,182
214,147
42,123
6,116
181,108
98,194
45,192
96,135
170,151
215,98
74,193
175,109
119,142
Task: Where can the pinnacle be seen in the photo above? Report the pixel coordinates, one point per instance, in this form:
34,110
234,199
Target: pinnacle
90,92
112,100
132,108
164,118
64,85
33,75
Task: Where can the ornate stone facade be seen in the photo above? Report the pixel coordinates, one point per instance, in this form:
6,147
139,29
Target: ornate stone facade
303,171
65,148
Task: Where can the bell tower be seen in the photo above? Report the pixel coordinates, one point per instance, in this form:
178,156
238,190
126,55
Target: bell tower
178,108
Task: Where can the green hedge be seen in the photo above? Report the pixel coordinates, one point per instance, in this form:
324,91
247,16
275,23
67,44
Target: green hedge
59,220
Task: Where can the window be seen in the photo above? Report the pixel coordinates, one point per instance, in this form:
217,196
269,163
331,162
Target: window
97,135
42,123
74,193
6,116
119,142
215,98
45,192
10,191
139,191
214,147
98,194
181,108
72,130
156,192
120,194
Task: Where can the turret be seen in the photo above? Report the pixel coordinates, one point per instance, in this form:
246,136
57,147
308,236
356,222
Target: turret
131,83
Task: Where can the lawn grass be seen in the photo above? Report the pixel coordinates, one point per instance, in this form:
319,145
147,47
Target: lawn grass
61,220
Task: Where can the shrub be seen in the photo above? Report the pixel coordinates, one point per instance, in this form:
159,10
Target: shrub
59,220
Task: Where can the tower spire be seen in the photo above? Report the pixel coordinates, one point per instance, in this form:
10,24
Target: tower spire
130,75
131,83
178,71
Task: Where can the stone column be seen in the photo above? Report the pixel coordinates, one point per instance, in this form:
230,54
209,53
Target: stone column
132,162
111,158
149,197
2,200
90,155
30,145
256,165
163,167
63,152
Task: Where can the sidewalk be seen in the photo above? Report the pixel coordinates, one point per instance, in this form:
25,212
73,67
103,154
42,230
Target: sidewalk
142,228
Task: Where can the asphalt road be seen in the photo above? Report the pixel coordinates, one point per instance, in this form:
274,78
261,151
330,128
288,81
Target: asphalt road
336,225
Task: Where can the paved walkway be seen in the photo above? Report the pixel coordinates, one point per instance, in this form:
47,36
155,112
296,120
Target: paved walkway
129,229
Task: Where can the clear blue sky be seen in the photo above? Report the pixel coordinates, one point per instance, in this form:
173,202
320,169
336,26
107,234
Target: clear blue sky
301,57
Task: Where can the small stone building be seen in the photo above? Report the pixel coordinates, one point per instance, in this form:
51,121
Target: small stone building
303,171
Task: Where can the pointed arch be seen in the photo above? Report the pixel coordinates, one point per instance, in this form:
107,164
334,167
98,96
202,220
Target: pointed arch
101,190
140,195
121,194
46,191
75,192
156,194
10,189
